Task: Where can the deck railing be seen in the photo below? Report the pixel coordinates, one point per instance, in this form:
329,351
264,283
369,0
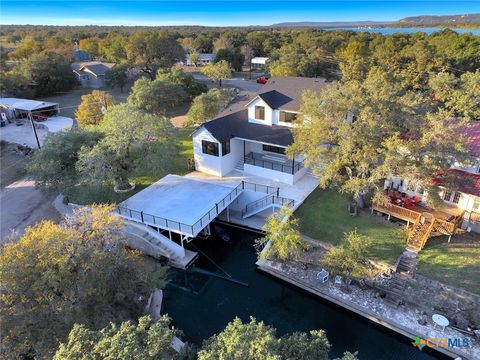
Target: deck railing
176,226
287,168
398,212
267,200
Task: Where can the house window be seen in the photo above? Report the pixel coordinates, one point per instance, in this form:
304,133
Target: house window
210,148
259,113
447,195
476,206
274,149
225,148
287,117
456,197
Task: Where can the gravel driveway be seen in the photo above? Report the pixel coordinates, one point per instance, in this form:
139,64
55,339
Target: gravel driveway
21,205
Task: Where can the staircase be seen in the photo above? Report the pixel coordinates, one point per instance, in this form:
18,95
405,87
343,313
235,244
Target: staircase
395,289
240,164
406,265
270,201
419,234
150,242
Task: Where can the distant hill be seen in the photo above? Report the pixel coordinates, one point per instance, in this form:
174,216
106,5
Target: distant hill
450,20
331,24
459,21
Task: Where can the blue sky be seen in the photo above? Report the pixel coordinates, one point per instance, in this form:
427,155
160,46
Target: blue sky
217,12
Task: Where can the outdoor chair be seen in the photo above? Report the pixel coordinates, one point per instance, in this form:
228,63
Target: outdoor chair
322,276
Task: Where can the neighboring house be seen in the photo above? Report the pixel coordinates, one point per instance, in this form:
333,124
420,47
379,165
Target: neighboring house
258,63
467,196
254,139
205,59
81,55
14,109
91,74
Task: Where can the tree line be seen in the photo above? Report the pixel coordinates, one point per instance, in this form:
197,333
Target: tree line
292,52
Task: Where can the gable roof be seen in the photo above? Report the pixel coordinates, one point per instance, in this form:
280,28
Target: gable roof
81,55
470,183
285,92
472,133
97,68
236,125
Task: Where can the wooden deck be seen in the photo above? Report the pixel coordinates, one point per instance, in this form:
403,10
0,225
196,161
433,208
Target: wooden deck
425,222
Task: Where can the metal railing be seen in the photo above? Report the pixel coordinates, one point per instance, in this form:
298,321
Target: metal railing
260,188
272,165
270,199
180,227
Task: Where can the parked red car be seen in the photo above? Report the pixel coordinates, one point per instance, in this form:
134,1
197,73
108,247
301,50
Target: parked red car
262,80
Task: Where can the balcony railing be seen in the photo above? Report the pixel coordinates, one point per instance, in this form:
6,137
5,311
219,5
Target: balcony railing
268,200
256,159
179,227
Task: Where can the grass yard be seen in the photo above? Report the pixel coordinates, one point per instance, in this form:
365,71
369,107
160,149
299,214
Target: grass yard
456,263
324,216
103,193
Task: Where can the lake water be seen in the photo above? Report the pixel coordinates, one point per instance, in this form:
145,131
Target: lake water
389,31
201,305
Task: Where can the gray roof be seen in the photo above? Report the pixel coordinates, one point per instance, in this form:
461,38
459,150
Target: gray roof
236,125
285,92
81,55
96,67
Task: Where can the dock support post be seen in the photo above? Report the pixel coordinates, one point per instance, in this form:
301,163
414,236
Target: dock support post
388,218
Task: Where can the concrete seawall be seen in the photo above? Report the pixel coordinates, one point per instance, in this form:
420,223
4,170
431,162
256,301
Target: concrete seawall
267,267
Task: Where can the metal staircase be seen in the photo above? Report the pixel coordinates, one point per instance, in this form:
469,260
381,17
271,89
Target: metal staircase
270,201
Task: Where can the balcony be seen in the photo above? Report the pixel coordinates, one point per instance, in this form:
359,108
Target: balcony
273,162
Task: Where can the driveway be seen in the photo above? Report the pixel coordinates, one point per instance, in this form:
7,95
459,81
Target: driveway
21,205
23,134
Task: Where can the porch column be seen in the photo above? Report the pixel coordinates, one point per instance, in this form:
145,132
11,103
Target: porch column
244,150
293,164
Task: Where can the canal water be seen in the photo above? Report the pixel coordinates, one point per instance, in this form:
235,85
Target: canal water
202,305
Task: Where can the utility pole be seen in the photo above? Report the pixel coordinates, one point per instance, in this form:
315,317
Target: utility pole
30,117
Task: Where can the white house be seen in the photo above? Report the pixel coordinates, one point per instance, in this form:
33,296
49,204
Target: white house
467,196
254,139
91,74
258,63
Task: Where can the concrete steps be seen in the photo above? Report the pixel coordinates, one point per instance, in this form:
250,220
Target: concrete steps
260,209
154,244
240,165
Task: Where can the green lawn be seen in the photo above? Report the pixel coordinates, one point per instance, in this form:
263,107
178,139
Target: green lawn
457,263
103,193
324,216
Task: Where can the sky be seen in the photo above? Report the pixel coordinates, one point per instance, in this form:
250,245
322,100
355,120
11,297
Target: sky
218,12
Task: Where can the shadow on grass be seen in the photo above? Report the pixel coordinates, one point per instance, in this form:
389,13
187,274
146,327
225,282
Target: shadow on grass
324,216
456,263
86,194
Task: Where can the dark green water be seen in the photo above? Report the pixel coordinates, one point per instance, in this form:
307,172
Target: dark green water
215,302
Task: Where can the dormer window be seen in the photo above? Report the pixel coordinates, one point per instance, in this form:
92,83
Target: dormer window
259,113
287,117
